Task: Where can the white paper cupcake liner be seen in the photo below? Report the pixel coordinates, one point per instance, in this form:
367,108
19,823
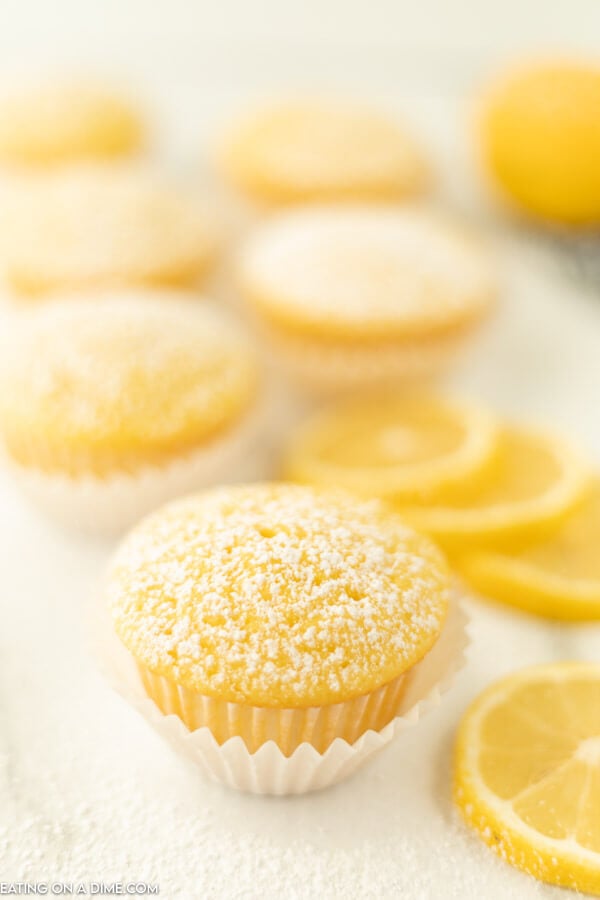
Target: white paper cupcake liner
107,506
268,770
338,368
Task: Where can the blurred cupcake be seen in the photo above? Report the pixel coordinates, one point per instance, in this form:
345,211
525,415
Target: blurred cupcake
109,408
277,613
101,226
65,122
318,150
365,296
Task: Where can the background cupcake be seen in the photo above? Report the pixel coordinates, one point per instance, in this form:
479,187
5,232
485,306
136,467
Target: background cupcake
322,150
364,296
56,123
101,226
277,612
109,406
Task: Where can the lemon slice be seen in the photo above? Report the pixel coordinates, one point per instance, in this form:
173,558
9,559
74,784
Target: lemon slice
405,447
534,483
558,576
527,772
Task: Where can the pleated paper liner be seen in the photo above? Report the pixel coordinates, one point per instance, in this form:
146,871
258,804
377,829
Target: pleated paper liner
338,368
268,770
109,505
288,728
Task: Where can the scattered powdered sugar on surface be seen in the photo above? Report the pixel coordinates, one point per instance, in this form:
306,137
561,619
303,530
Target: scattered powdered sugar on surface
367,267
123,371
89,792
278,594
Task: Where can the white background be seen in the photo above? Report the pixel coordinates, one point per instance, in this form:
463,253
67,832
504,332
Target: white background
87,792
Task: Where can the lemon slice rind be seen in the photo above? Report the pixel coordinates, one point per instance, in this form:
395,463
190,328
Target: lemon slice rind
512,521
409,480
529,587
558,861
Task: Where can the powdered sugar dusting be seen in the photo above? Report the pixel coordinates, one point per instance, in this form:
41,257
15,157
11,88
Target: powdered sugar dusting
357,268
277,595
122,374
104,224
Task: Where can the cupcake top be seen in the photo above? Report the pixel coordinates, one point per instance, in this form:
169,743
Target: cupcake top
63,122
103,226
119,381
277,595
316,150
366,272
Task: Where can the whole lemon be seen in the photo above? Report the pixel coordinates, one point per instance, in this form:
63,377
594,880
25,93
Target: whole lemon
540,135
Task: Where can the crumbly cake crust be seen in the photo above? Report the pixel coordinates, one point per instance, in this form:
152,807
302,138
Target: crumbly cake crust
277,595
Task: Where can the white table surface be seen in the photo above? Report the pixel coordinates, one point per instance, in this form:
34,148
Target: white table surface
89,793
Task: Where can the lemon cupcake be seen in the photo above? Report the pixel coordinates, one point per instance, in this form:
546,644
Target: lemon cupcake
99,226
317,150
540,139
364,296
53,124
277,613
109,408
